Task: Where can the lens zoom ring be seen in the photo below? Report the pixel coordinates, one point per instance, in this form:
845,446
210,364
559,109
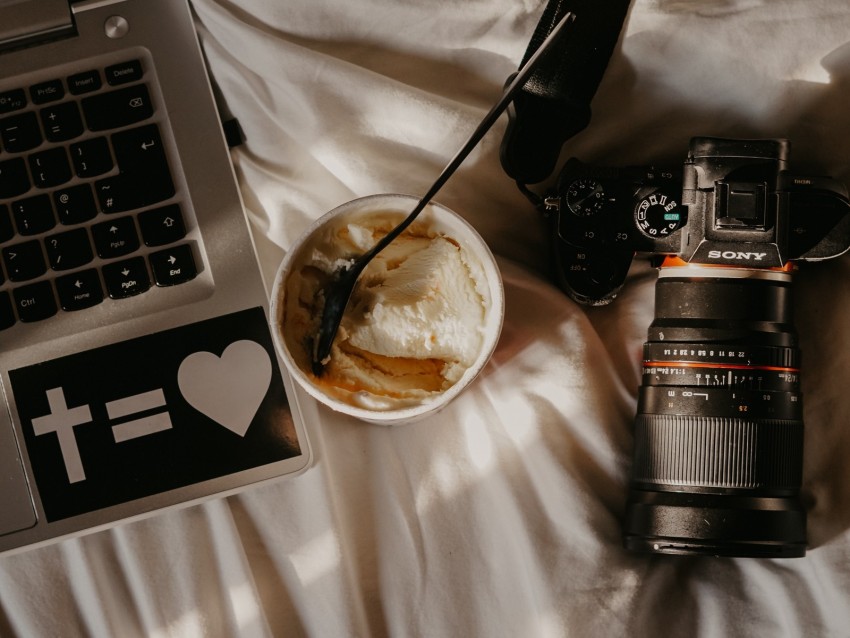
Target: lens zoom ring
718,452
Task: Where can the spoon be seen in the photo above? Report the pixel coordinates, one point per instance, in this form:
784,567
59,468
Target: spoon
338,290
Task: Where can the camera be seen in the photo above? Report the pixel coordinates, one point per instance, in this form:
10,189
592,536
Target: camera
718,451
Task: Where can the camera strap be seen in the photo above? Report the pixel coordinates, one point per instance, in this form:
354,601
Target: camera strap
554,104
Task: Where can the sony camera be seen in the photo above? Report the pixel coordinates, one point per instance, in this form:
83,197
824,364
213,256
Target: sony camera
719,429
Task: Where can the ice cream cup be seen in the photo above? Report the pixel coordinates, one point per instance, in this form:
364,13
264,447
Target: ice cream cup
440,220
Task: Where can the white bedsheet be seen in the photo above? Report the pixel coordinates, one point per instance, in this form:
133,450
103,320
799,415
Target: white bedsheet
501,515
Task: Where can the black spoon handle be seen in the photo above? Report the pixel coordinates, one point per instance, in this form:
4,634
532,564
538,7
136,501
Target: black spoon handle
517,82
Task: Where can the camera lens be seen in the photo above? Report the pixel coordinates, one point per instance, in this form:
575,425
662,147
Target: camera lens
719,430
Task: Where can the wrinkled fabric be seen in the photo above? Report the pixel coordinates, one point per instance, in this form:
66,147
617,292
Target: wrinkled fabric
500,515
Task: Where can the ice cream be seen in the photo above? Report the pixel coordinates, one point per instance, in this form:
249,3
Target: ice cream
414,324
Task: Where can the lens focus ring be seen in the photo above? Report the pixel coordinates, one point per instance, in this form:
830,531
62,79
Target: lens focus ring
712,452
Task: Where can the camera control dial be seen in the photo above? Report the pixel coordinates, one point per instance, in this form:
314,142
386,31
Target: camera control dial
658,215
585,197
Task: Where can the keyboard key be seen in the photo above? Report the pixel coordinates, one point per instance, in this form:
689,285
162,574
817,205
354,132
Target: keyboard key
19,133
7,311
140,151
61,122
7,231
13,100
144,178
162,226
126,278
173,266
35,301
24,261
91,157
70,249
115,238
123,193
84,82
33,215
75,204
124,73
79,290
45,92
50,168
14,179
117,108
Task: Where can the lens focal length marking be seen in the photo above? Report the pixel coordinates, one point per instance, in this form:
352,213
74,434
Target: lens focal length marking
721,355
720,403
730,376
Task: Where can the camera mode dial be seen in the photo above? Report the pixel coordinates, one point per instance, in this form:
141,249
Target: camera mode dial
658,215
585,197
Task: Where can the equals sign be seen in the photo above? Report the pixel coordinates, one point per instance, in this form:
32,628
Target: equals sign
140,426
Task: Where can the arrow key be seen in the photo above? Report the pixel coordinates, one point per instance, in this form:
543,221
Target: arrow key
115,238
126,278
79,290
174,265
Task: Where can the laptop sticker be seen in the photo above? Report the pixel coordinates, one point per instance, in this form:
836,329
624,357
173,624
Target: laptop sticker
152,414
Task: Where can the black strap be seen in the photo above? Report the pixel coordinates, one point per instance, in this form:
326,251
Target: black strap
554,105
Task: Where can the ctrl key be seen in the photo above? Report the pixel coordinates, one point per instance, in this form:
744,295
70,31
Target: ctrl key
35,302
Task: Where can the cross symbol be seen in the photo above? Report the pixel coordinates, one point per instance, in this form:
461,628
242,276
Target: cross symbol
62,420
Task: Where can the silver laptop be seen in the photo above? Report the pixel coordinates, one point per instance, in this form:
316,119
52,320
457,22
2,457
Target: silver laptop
136,362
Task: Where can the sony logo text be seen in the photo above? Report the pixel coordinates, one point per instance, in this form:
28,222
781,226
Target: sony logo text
733,254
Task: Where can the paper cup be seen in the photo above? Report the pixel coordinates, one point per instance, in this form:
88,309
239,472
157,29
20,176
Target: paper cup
438,219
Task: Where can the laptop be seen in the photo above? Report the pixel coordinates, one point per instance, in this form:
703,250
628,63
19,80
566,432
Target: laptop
136,360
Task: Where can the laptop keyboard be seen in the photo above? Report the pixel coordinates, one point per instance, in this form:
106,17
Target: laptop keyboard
87,201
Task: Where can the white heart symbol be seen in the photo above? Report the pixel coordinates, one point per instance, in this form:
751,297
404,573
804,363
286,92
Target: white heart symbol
230,389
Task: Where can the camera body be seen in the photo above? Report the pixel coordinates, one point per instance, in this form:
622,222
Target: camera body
734,203
718,453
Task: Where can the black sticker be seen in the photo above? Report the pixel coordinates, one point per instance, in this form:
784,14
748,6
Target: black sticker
124,421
